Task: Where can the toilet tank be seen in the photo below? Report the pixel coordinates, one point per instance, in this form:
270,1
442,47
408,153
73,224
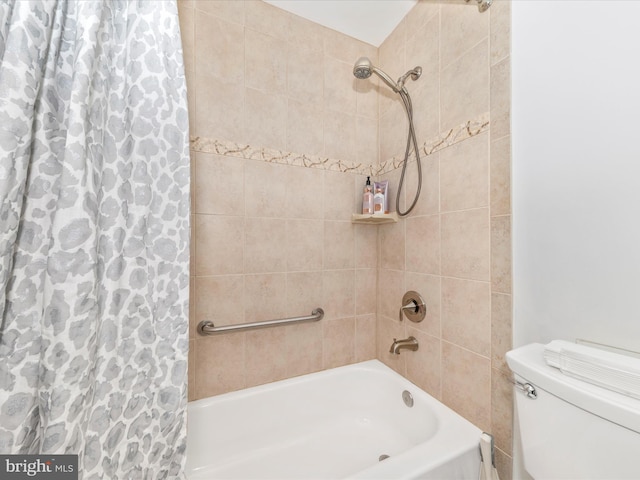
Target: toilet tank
573,429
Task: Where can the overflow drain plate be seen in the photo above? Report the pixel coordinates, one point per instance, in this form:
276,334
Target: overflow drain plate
407,398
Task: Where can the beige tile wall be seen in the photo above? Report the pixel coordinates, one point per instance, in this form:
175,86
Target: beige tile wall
274,240
454,248
278,251
269,240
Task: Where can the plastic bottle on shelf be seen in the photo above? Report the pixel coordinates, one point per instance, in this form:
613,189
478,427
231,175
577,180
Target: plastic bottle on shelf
367,198
378,202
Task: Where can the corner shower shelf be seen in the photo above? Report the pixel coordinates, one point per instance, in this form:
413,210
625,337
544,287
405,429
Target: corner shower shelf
374,219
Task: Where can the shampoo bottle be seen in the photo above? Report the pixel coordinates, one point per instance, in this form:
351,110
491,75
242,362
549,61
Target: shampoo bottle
378,202
367,198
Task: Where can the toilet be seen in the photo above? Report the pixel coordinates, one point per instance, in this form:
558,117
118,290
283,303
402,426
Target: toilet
571,429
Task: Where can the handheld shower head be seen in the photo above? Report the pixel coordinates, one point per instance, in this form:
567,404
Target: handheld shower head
362,68
413,73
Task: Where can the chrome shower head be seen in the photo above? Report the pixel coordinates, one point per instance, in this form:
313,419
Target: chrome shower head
362,68
483,5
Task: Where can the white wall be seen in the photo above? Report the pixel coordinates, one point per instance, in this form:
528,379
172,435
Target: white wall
576,171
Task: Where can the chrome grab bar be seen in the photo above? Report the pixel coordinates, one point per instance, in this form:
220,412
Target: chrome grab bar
207,327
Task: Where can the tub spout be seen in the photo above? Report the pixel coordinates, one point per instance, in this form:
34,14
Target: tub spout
408,343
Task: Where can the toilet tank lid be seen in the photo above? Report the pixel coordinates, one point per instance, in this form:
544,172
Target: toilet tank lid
528,363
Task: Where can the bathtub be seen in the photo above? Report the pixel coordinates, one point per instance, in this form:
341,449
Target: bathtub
332,424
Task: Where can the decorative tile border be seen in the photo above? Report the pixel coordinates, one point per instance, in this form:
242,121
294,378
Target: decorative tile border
444,140
232,149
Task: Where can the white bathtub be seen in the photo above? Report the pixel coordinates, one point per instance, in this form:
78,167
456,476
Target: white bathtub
329,425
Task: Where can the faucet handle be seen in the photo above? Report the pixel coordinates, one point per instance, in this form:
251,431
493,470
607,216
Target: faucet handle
412,306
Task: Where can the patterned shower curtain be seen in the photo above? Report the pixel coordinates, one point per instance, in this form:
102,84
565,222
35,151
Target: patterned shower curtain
94,235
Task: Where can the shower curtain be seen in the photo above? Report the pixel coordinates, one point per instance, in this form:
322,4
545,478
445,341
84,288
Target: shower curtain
94,235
